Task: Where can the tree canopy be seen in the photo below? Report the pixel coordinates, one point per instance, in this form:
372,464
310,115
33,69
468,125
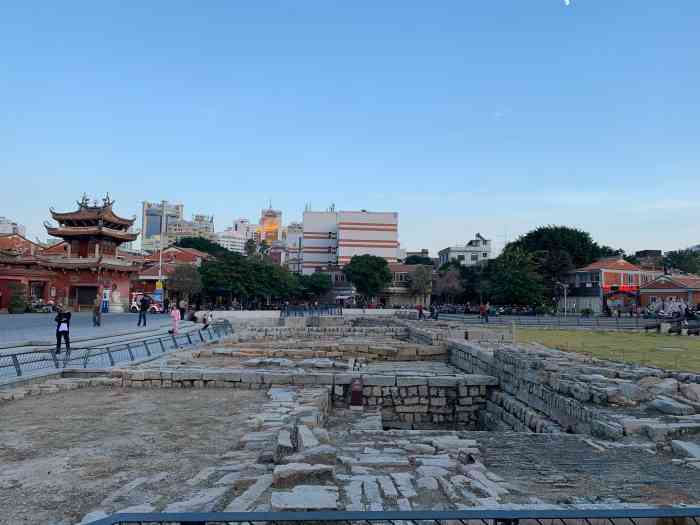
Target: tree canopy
203,245
369,274
185,280
418,259
449,284
421,282
514,279
578,244
684,260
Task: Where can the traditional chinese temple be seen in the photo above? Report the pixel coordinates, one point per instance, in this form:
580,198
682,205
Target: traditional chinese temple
83,267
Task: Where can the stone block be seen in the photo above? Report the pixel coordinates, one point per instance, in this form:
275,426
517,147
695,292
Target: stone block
411,381
305,497
670,406
294,473
443,381
377,380
345,379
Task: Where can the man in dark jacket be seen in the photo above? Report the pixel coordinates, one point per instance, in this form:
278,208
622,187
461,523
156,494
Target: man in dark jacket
143,309
62,329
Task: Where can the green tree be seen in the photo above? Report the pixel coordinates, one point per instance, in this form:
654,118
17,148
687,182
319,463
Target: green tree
203,245
421,282
18,298
418,259
369,274
514,279
315,286
684,260
185,281
448,285
578,244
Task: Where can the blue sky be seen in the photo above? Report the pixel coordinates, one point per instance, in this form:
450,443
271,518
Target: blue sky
463,116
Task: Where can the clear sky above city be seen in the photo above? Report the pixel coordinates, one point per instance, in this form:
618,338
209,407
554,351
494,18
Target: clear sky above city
463,116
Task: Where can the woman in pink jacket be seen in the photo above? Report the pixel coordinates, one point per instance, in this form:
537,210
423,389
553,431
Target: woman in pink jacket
175,316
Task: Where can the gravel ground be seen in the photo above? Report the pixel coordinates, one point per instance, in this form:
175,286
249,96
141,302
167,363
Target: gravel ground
67,454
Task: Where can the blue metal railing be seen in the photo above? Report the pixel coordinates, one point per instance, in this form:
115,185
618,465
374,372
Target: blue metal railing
482,516
327,310
16,364
572,321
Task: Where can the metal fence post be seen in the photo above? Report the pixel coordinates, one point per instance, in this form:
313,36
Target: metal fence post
86,357
162,346
131,353
201,337
148,350
174,340
66,358
189,338
53,356
110,356
15,362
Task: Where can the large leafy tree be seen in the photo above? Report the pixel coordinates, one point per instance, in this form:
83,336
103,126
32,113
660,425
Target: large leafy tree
684,260
18,298
448,285
418,259
369,274
421,282
315,286
185,280
514,279
554,240
203,245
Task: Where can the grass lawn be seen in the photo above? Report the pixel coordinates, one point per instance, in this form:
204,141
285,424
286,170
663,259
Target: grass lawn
664,351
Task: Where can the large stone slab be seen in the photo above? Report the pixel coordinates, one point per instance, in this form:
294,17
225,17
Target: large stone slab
686,449
305,497
306,438
292,473
671,406
201,501
246,500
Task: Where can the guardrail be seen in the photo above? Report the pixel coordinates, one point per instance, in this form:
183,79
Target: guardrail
597,515
312,311
574,321
17,364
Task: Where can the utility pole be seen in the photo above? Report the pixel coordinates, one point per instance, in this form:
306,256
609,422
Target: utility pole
162,230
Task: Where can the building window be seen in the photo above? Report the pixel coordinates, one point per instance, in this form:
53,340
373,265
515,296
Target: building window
485,255
475,256
460,257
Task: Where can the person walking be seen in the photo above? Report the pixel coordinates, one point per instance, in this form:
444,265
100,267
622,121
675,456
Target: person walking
175,317
487,310
482,311
97,313
421,315
182,305
144,304
62,329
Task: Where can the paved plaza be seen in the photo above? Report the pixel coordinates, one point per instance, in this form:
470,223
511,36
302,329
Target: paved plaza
357,414
41,327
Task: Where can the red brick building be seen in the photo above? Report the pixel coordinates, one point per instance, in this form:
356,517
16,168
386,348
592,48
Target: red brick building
611,283
149,275
671,289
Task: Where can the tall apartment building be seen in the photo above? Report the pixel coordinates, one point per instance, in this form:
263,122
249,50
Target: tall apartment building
234,238
474,252
199,226
333,238
270,227
294,240
151,217
9,227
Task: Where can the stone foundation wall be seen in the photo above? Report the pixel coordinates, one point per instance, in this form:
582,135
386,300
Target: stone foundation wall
423,402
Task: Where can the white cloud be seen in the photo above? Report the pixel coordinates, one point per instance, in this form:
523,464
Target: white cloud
567,3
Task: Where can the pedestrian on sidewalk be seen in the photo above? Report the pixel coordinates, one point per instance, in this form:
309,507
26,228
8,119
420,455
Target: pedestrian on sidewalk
144,304
62,329
183,308
97,313
175,316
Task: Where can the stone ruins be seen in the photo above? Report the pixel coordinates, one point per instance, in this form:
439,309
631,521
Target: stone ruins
395,414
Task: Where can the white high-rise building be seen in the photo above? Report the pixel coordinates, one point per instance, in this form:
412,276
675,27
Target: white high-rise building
333,238
234,238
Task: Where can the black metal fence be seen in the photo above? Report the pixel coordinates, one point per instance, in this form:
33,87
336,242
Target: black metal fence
548,321
596,515
16,364
326,310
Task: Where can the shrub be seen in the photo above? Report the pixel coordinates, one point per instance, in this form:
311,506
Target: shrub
18,298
